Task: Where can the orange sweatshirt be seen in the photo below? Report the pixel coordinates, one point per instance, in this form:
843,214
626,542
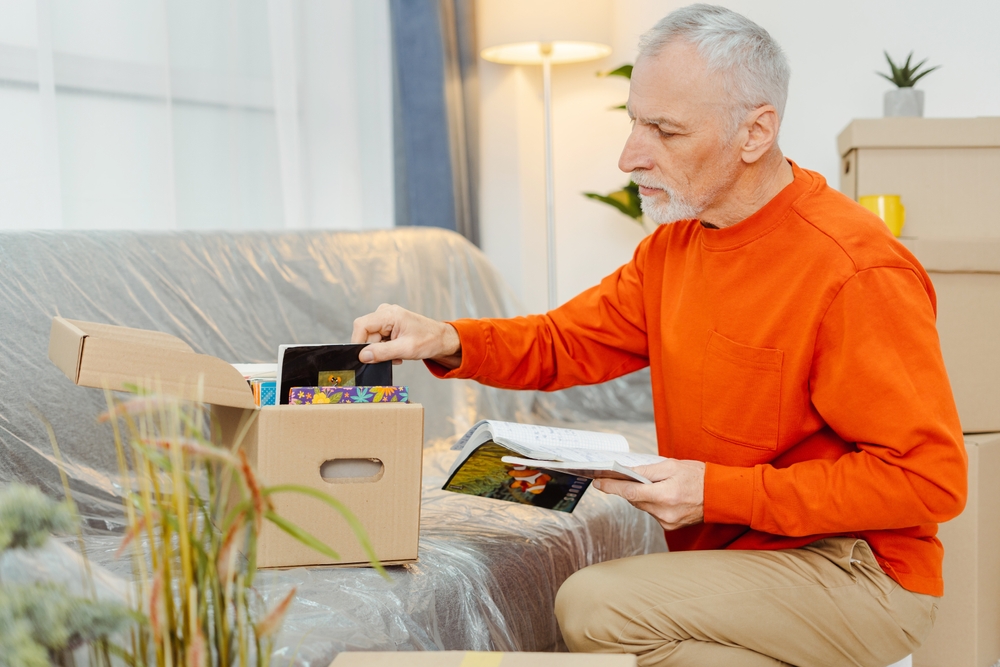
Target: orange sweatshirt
795,353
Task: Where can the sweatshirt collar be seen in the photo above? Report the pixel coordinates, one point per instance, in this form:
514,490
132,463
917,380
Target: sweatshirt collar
764,220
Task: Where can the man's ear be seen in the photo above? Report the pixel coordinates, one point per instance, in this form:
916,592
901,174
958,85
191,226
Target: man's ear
762,133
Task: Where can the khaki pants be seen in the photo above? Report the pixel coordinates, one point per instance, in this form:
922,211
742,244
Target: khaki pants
828,603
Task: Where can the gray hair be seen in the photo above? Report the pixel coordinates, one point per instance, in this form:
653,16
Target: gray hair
754,68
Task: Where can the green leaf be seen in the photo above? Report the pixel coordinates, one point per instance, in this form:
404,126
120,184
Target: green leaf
924,73
621,107
917,67
621,200
625,71
343,510
301,535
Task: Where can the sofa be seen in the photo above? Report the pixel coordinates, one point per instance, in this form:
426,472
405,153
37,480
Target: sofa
487,572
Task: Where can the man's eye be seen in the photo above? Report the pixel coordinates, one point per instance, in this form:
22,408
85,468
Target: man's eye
665,134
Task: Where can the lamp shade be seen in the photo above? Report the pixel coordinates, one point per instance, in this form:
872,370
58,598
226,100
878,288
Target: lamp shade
519,32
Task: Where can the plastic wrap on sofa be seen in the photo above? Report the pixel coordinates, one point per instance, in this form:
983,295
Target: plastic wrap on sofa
488,571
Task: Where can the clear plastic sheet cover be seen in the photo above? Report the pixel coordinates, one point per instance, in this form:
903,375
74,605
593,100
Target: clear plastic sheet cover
488,571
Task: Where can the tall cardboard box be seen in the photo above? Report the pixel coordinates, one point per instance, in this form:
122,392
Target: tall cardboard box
966,278
945,169
967,630
368,456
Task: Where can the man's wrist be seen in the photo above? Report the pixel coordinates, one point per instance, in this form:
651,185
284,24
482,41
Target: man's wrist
451,353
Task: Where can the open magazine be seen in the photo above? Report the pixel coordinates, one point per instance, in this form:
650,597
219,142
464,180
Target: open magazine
541,466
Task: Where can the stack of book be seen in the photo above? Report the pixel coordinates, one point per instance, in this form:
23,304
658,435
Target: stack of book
321,374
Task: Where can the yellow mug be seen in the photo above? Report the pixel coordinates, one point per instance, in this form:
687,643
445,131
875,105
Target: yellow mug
887,207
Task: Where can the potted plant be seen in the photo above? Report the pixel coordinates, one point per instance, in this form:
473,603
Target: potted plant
904,100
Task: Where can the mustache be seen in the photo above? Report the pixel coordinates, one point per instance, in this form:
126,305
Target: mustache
647,181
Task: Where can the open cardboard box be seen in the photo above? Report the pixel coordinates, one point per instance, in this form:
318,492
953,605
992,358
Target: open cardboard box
368,456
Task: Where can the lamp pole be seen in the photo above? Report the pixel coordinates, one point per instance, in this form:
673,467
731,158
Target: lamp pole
550,197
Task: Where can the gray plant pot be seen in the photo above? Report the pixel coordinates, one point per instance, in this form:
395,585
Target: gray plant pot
903,102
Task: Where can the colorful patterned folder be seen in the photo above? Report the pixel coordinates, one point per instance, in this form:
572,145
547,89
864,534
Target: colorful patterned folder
325,395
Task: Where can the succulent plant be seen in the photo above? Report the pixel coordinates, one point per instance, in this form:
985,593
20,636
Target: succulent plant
906,76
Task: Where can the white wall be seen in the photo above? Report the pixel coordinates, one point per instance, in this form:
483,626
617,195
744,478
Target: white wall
834,49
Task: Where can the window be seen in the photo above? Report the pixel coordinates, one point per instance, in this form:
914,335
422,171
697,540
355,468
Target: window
195,114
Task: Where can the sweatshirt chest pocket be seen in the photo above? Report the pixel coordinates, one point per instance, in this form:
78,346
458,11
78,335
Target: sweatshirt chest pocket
741,393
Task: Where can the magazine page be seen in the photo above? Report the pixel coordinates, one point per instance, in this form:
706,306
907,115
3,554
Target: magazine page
533,436
485,474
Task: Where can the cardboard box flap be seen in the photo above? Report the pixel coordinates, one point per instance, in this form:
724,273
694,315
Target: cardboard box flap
130,335
66,347
980,255
102,355
919,133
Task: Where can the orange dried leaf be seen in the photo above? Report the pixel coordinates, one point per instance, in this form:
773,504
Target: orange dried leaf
133,531
140,405
261,504
157,610
197,651
194,448
227,552
272,622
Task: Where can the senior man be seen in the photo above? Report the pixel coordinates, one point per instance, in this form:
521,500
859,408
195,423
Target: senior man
799,390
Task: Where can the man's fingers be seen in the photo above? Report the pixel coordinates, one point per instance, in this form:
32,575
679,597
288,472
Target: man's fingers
385,351
375,326
656,472
630,491
368,327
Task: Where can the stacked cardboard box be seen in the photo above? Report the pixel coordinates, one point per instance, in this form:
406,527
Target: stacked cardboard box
368,456
946,171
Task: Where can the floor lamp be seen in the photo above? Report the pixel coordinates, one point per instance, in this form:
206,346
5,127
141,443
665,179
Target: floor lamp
546,33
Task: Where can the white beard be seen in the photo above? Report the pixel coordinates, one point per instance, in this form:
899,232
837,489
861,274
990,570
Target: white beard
665,212
675,208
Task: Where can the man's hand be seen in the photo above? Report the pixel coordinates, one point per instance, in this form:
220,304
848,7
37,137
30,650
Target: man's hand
675,498
397,334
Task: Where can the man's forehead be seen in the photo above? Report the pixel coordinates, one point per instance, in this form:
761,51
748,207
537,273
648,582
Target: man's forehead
667,87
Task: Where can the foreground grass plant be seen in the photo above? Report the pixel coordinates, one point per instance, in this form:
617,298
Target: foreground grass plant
192,509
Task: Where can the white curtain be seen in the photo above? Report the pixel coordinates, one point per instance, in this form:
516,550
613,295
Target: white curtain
195,114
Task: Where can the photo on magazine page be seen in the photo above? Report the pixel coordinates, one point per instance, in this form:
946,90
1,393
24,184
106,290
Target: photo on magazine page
484,474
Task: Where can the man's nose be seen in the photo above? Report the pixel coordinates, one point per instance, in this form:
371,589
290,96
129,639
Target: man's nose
635,153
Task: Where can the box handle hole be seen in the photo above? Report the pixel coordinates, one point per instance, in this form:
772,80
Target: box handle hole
351,471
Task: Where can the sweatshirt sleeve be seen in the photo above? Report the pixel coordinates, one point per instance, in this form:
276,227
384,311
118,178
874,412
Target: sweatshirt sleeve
878,380
597,336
